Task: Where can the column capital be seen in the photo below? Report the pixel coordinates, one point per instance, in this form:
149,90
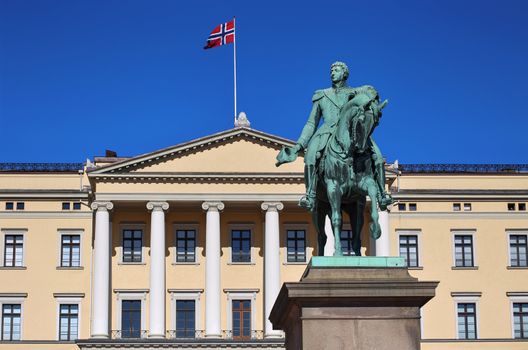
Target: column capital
272,206
215,206
157,206
98,205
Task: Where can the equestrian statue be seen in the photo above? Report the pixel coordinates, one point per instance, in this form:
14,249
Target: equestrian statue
343,164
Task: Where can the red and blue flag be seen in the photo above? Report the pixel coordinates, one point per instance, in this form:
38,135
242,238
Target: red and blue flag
222,34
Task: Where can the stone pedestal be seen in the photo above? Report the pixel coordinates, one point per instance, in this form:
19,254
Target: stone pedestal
352,303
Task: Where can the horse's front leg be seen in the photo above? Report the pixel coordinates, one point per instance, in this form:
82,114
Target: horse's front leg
334,197
372,190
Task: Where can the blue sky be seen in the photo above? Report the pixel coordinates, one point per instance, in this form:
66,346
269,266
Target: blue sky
79,77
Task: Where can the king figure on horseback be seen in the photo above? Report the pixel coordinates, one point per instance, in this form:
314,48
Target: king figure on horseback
327,104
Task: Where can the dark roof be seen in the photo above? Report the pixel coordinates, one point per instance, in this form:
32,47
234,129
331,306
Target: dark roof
40,167
464,168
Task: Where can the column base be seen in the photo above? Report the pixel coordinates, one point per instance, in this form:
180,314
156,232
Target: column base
213,336
99,336
274,335
156,336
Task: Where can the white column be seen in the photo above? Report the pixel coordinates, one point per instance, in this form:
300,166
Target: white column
212,269
157,269
329,248
101,271
271,263
383,243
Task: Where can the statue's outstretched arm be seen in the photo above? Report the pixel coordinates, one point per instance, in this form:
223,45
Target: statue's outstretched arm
311,125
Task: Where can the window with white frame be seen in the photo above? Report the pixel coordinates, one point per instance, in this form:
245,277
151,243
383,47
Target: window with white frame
467,320
11,321
132,244
466,310
464,249
68,321
296,245
408,247
70,250
347,242
241,313
518,247
131,320
185,313
186,236
13,248
520,320
241,245
68,315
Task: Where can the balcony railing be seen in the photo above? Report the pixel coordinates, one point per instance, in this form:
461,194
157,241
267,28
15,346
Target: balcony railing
129,334
186,334
200,334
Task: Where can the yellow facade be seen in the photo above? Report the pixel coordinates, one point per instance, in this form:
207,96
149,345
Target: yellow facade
237,168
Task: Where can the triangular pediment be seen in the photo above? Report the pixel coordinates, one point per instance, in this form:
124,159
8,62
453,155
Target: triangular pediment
232,152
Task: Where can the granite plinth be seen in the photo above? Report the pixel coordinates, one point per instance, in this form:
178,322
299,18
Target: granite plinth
353,304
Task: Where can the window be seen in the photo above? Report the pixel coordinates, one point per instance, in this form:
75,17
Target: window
132,245
185,245
70,250
467,206
241,246
522,206
518,249
456,206
20,205
511,206
241,316
9,206
402,206
346,243
464,251
185,318
11,320
467,321
296,245
13,250
412,206
68,321
131,318
77,206
65,205
520,320
409,249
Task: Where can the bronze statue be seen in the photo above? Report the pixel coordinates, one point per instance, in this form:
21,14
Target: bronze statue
344,156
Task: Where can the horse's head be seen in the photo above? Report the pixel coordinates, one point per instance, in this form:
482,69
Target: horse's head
359,117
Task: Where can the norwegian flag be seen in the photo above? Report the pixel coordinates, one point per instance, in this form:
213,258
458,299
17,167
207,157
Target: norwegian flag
222,34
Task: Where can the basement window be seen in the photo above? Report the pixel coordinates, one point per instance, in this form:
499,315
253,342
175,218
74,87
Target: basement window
467,206
522,206
402,206
65,205
412,206
456,206
9,206
77,206
511,206
20,205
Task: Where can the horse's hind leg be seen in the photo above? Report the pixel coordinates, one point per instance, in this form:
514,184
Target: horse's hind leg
355,212
318,218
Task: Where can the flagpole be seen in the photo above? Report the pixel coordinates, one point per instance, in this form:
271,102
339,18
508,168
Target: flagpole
235,67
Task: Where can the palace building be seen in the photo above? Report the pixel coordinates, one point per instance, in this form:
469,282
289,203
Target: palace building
188,246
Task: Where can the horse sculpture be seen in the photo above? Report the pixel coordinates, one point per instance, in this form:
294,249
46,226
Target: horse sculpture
346,173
